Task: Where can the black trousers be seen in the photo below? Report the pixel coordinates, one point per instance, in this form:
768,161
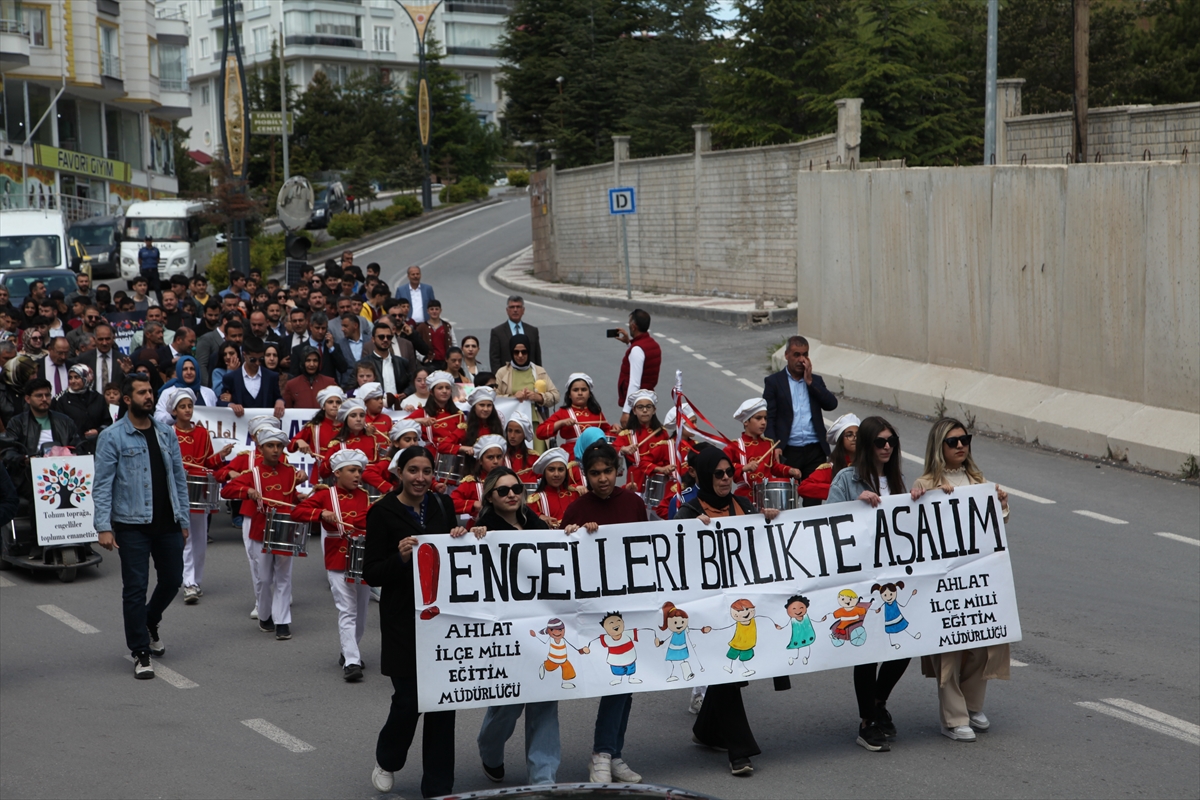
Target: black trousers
722,721
437,741
153,283
873,683
805,458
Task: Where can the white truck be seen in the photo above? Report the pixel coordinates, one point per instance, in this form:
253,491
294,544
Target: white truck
174,225
34,238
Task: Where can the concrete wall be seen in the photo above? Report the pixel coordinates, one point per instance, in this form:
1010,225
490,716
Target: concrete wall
1085,278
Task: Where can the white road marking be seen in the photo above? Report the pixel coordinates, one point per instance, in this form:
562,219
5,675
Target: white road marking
1175,536
70,620
672,341
730,373
686,349
278,736
172,677
1012,662
1142,721
402,237
1157,716
751,384
697,355
1027,496
714,365
910,457
1110,520
476,237
5,582
660,335
483,276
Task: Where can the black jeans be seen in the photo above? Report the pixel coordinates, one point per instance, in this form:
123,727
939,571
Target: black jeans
805,458
437,741
873,688
136,549
722,722
153,283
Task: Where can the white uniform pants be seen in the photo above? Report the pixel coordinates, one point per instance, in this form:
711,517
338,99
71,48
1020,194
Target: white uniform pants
253,548
195,548
274,590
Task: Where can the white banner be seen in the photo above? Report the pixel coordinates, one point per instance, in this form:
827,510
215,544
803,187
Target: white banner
529,616
62,499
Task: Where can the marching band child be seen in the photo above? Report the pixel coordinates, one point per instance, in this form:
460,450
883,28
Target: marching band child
638,443
555,491
580,411
372,396
754,458
314,438
482,420
198,459
342,510
272,484
518,432
440,418
354,435
468,495
404,434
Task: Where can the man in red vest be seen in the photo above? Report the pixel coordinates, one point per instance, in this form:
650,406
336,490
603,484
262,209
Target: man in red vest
639,367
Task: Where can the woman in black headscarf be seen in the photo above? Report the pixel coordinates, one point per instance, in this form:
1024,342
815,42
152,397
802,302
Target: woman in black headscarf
524,380
722,723
84,405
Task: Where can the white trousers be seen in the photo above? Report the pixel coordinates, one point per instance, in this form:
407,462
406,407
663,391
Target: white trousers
274,590
252,549
195,549
351,600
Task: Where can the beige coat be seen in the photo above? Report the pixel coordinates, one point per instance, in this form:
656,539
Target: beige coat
942,666
550,395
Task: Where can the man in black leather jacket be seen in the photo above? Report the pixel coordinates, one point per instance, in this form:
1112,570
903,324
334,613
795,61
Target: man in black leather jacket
24,436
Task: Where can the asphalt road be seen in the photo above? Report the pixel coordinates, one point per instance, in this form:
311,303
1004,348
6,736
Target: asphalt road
1110,608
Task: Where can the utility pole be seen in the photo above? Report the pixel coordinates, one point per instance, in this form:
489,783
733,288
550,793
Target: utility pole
989,121
283,103
421,13
1082,26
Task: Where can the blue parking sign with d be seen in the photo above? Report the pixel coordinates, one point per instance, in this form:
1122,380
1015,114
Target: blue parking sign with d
622,201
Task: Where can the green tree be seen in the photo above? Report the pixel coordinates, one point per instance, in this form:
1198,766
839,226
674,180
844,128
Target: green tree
193,181
1166,51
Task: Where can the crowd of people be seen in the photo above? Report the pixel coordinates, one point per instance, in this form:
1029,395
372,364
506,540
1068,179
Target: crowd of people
407,439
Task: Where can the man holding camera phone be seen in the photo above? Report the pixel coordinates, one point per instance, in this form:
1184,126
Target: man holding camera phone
643,357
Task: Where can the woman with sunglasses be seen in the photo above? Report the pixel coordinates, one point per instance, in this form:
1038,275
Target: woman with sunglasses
230,361
962,676
874,473
504,509
722,723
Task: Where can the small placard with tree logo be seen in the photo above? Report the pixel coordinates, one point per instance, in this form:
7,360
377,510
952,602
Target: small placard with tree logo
62,499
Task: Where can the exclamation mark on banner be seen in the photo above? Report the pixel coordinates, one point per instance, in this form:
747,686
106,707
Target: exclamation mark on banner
429,563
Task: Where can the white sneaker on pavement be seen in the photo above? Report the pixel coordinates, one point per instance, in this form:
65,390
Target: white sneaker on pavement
381,779
962,733
621,772
697,700
600,768
979,720
254,612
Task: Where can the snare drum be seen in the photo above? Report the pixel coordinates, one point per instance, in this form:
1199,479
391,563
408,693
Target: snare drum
204,493
775,494
530,488
285,536
356,557
373,494
449,469
654,490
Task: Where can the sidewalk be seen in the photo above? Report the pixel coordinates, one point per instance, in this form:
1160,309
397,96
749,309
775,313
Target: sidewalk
517,275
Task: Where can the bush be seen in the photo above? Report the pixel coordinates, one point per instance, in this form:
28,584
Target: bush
375,219
345,226
266,254
408,205
218,269
518,177
469,188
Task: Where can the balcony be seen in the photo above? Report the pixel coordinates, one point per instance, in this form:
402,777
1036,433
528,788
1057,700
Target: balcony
501,7
14,44
485,52
110,66
322,40
219,9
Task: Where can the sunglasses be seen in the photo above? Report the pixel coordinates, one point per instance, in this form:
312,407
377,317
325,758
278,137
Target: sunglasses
955,441
521,352
886,441
504,491
723,473
386,336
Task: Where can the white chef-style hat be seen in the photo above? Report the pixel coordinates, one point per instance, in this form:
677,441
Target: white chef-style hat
549,457
580,376
688,412
525,423
369,391
328,392
181,393
440,376
348,405
480,394
346,457
269,434
749,408
403,426
642,394
488,442
839,427
266,421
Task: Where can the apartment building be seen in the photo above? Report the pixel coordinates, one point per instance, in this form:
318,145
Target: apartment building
88,93
340,37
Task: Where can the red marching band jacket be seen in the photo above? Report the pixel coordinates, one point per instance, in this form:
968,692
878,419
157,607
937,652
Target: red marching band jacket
382,423
553,503
273,483
317,437
582,419
239,464
373,445
353,505
754,461
197,450
446,431
642,461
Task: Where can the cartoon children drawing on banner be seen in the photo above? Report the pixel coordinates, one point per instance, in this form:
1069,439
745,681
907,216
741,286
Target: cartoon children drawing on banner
556,632
893,618
619,642
848,619
803,634
679,643
745,635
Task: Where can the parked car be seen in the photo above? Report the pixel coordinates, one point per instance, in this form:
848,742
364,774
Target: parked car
100,239
17,282
331,200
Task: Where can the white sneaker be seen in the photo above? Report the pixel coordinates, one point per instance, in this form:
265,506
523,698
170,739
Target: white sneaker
979,720
621,772
696,702
142,668
962,733
600,768
254,612
381,779
191,595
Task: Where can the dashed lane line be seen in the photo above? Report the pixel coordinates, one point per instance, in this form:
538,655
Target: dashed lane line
1027,496
714,365
278,736
5,582
70,620
1102,517
1137,719
672,341
686,349
388,242
172,677
1157,716
730,373
751,384
697,355
1173,536
1012,662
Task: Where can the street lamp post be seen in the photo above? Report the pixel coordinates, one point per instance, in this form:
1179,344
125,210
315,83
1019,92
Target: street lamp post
231,98
420,14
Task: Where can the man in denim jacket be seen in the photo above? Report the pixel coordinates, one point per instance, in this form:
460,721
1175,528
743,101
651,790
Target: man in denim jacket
141,503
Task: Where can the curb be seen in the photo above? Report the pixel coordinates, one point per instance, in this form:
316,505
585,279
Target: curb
579,296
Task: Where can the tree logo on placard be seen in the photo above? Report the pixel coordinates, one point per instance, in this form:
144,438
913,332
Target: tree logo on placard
66,483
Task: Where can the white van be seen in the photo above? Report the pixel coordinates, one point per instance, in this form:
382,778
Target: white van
174,225
34,238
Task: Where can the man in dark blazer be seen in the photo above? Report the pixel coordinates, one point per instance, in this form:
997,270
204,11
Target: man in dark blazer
423,291
395,373
252,386
795,399
105,359
502,334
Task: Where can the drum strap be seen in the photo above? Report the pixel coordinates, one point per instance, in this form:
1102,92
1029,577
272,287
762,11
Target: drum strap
337,509
574,419
258,486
